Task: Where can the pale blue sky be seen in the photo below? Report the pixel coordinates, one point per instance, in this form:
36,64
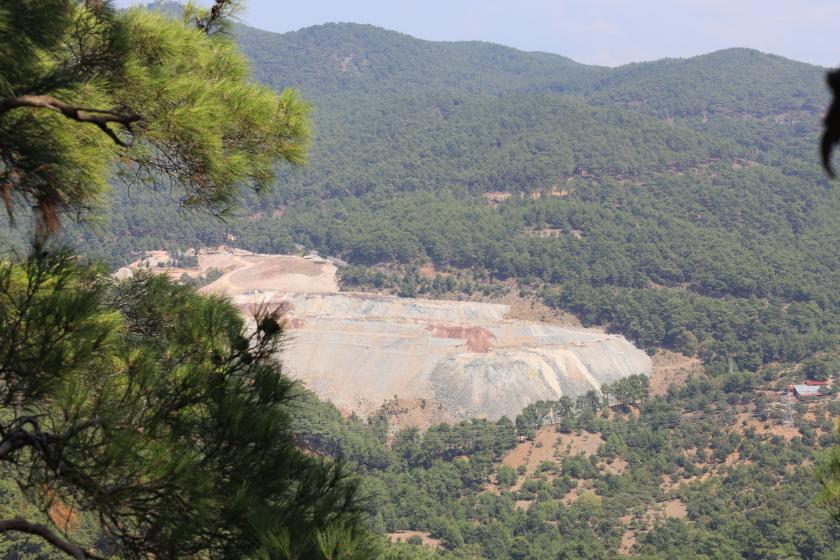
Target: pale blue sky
608,32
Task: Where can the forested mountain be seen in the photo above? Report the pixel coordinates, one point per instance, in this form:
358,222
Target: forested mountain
679,201
338,58
727,82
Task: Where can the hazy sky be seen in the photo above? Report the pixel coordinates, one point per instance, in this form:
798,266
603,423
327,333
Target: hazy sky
609,32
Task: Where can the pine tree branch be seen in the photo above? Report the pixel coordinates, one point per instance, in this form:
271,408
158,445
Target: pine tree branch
216,14
23,526
12,443
99,117
831,135
18,438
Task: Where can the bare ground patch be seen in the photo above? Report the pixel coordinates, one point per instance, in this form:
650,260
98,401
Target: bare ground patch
524,504
550,445
668,484
582,488
616,466
63,516
426,538
245,271
747,420
672,368
428,271
404,412
531,309
670,509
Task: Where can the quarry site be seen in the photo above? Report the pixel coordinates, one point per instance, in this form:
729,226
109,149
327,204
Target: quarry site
425,360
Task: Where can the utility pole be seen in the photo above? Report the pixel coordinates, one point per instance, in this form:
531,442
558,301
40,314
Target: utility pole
788,408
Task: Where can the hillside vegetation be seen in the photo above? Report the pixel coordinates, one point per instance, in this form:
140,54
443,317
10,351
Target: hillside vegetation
706,472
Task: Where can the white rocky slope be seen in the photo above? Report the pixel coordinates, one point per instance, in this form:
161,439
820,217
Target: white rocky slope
458,359
358,350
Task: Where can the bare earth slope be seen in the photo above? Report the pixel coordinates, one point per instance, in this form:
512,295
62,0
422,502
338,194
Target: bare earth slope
462,358
358,350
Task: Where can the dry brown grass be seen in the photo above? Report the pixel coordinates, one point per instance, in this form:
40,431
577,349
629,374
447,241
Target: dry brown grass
671,368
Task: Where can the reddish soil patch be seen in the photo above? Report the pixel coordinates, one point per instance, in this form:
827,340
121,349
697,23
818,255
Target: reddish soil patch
547,233
263,271
243,270
668,485
571,496
582,488
532,453
63,516
671,368
492,486
403,536
628,541
575,444
427,271
734,458
806,464
675,509
477,338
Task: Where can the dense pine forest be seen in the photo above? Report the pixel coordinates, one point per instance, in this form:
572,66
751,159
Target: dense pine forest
678,202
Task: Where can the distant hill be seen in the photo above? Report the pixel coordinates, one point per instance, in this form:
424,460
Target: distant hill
351,58
386,98
731,81
346,58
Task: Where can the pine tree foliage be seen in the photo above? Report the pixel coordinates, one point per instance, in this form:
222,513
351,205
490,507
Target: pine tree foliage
157,409
85,87
828,473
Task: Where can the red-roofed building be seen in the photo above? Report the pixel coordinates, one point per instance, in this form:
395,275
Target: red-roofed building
815,383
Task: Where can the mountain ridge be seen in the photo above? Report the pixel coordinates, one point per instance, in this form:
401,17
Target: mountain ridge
478,42
347,60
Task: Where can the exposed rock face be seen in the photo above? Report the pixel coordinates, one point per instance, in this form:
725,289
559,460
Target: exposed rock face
358,350
456,359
